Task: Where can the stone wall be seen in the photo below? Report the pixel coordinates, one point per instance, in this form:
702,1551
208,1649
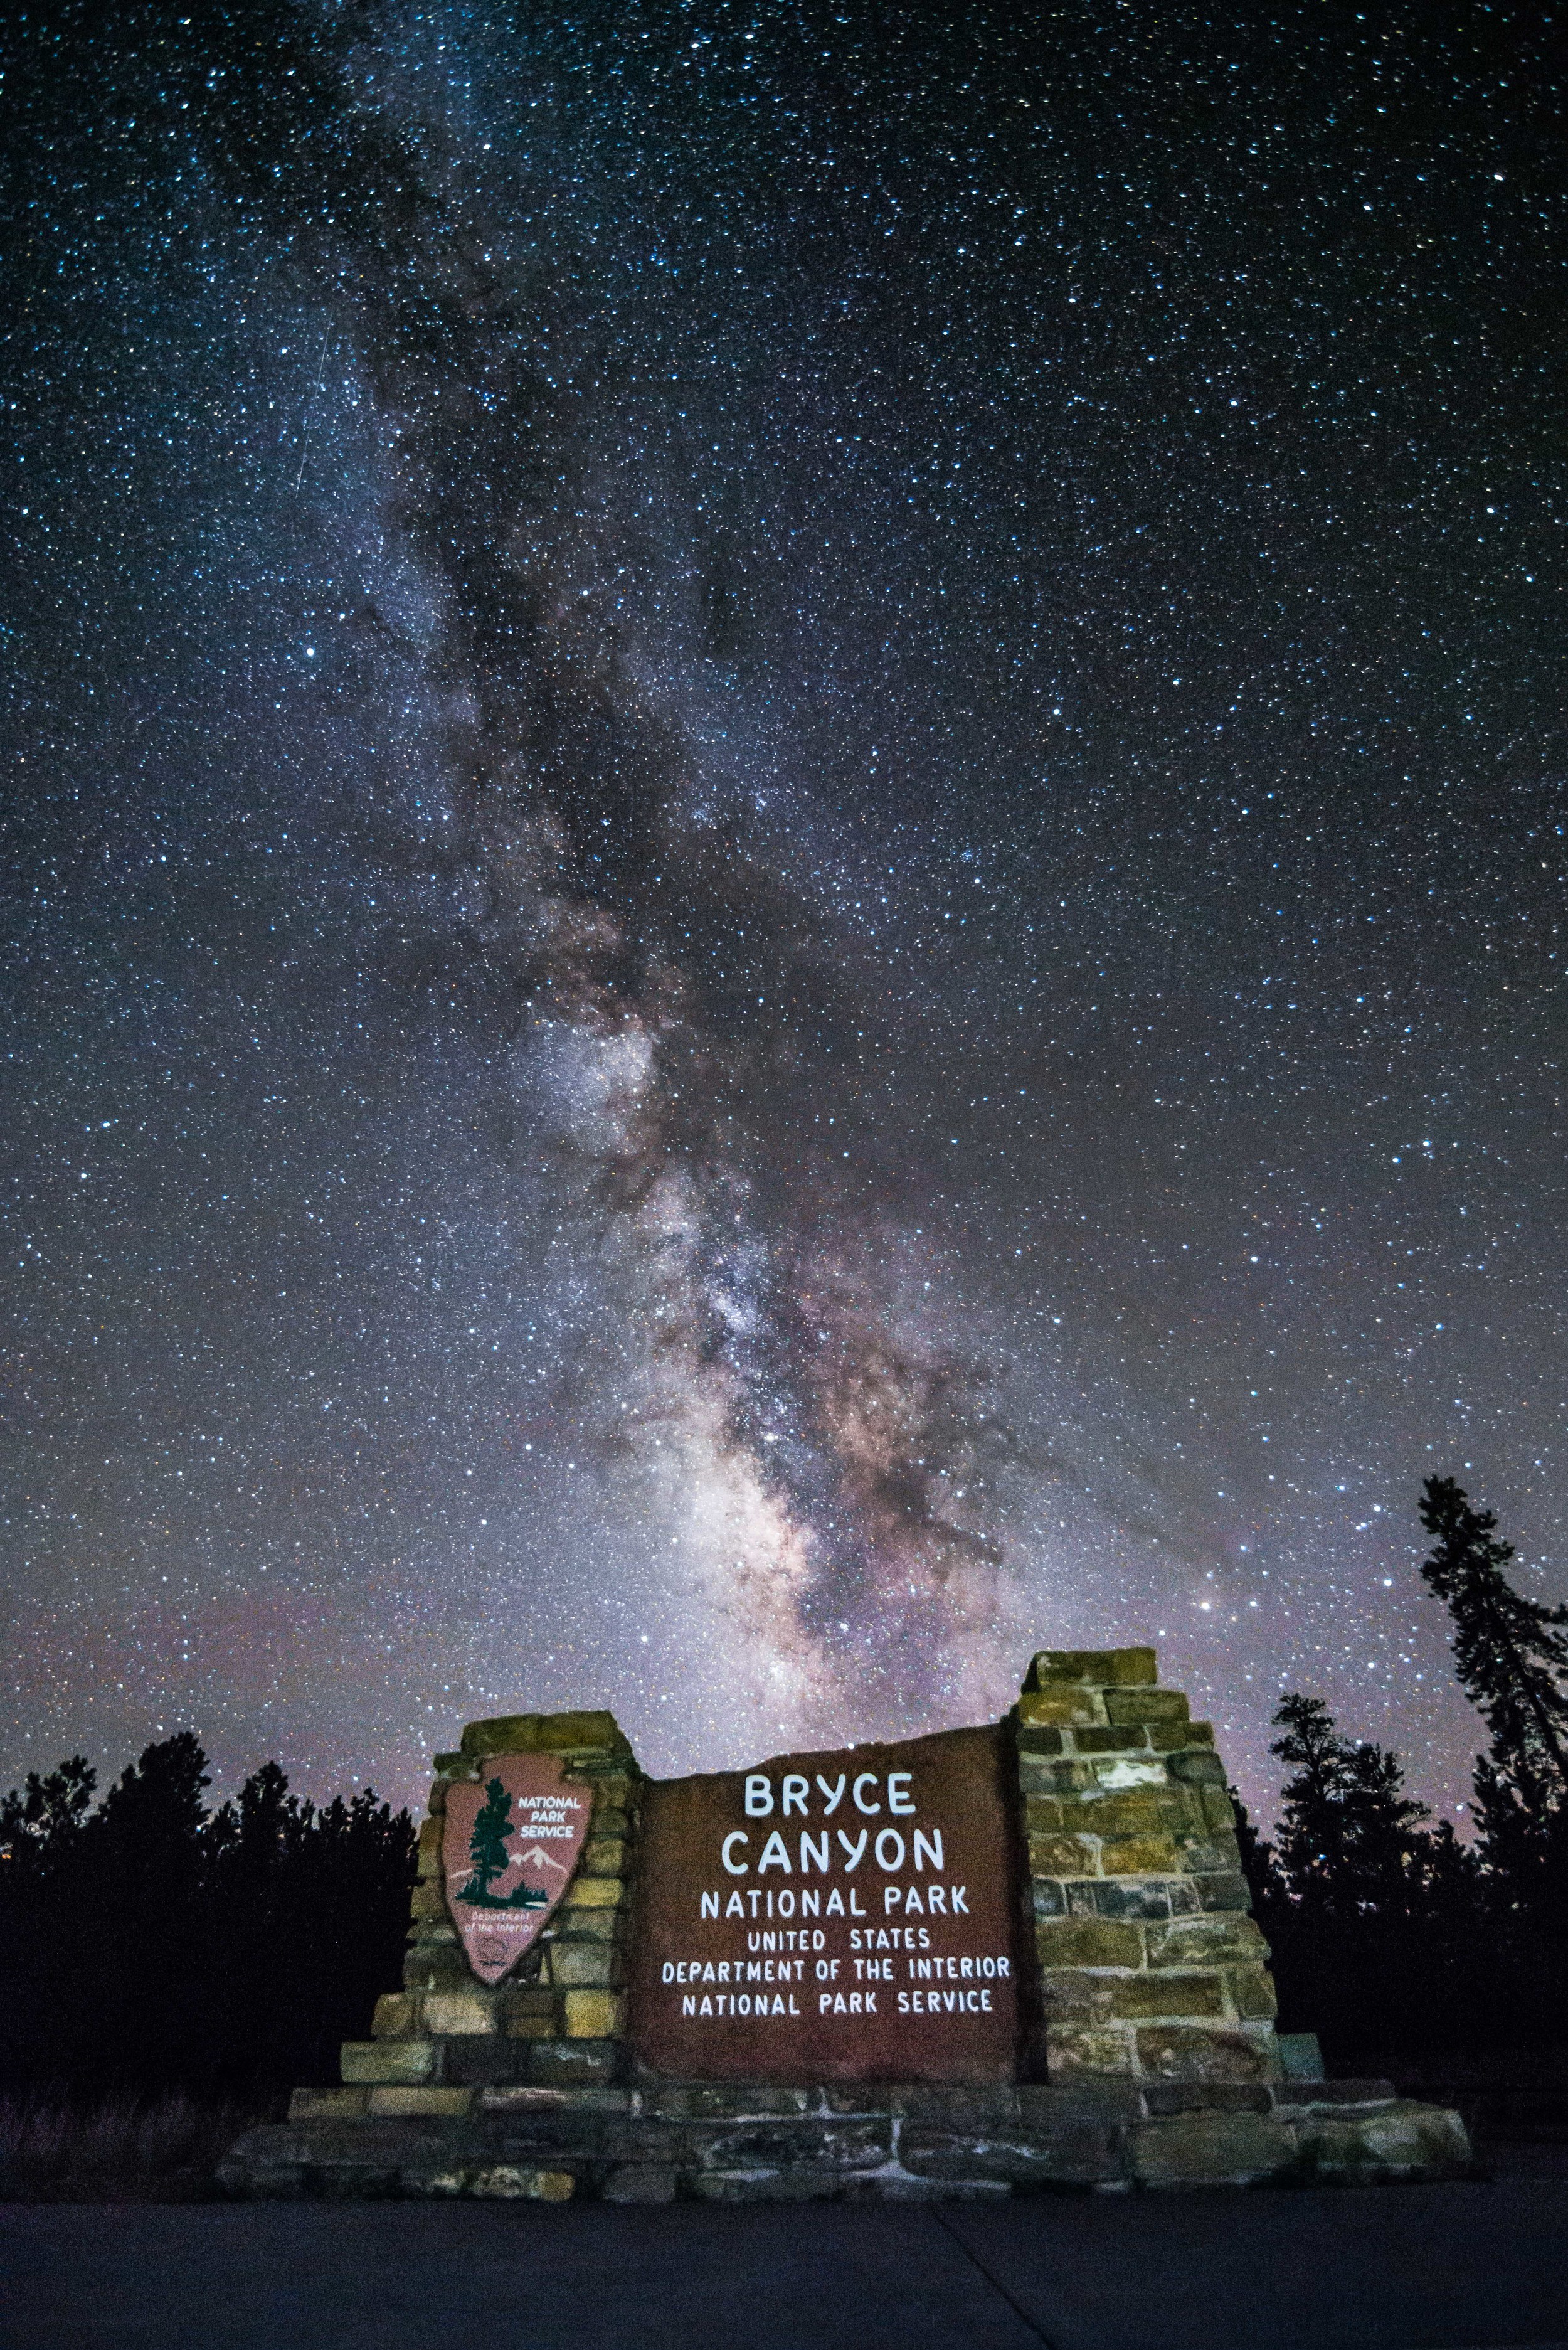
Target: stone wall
1150,1968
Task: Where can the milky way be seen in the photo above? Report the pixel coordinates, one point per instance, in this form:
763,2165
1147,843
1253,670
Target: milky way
785,866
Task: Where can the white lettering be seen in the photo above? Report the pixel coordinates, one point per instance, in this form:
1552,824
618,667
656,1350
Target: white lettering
889,1840
928,1847
736,1867
835,1795
853,1854
793,1793
759,1795
866,1779
775,1855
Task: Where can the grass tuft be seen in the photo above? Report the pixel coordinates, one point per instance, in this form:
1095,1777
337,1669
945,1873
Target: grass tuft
120,2151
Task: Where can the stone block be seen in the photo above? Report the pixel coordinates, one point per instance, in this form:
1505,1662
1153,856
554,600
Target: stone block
1199,1766
1059,1709
1206,1941
1088,1942
820,2143
1114,1737
1064,2154
1064,1855
639,2182
1047,1898
328,2104
456,1766
1175,1736
505,2182
1209,2096
1190,2052
436,1966
590,1963
1218,1811
1208,1855
1080,1893
494,2060
613,1789
436,1806
1135,1996
600,1926
542,1733
1039,1742
444,2105
1252,1993
453,2013
397,2013
1117,1773
591,2014
1096,1668
1041,1775
610,1820
1210,2149
377,2060
1390,2142
531,2027
603,1856
1227,1891
426,1900
593,1893
1144,1705
1133,1897
701,2101
1072,2049
569,2062
1135,1811
429,1860
526,1999
1076,1995
1140,1856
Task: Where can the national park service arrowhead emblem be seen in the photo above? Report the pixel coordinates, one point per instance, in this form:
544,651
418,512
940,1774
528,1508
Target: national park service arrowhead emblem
508,1851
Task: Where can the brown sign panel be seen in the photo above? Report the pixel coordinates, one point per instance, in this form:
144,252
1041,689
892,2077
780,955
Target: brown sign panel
508,1850
845,1917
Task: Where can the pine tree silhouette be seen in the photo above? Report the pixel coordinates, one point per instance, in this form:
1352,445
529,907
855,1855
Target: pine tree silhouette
1510,1655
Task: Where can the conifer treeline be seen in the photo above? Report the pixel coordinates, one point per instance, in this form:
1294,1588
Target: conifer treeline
1390,1937
149,1944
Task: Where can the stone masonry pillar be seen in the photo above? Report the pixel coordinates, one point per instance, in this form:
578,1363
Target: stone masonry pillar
561,2019
1151,1969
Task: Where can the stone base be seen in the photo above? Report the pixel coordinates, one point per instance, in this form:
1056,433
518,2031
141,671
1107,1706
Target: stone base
739,2142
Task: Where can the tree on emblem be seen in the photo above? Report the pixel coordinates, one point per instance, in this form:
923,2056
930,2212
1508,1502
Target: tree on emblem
487,1847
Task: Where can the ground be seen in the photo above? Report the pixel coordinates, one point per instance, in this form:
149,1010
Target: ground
1465,2267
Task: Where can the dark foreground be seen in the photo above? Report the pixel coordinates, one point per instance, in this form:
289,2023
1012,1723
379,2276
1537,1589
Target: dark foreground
1393,2268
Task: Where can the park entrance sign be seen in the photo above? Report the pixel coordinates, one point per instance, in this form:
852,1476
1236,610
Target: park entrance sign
844,1917
995,1958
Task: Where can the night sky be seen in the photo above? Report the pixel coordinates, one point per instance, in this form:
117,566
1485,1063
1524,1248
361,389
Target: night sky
784,855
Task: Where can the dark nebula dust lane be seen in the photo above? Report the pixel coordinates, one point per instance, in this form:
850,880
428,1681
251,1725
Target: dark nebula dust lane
784,865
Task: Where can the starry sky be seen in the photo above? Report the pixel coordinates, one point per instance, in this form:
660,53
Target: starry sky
783,850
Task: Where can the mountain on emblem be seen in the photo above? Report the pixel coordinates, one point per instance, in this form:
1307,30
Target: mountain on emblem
502,1884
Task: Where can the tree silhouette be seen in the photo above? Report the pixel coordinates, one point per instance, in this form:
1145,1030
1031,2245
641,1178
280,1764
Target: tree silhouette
149,1944
1510,1654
